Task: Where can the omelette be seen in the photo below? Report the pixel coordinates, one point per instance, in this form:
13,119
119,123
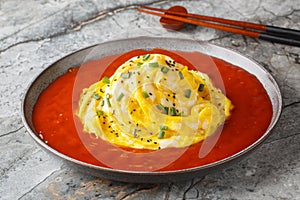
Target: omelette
152,102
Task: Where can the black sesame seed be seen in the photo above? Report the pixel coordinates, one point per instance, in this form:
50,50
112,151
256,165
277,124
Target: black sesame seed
150,93
174,104
155,142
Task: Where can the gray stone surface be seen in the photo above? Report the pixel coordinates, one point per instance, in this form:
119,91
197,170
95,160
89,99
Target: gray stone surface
33,34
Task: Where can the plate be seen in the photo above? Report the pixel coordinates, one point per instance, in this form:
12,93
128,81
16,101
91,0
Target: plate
43,80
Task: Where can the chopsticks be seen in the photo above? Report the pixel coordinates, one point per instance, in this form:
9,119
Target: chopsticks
260,31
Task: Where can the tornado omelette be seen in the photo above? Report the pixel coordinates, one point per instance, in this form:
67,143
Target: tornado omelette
152,102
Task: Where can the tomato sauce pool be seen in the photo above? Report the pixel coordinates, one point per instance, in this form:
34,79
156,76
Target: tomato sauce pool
57,125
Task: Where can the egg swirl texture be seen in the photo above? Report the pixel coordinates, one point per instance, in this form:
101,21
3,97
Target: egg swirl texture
152,102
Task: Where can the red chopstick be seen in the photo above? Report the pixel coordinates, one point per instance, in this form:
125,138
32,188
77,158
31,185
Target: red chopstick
265,32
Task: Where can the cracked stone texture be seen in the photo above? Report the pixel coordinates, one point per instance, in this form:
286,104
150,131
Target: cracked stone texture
34,34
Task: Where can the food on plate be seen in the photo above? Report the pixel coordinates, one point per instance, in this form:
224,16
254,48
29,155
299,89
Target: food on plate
56,121
153,102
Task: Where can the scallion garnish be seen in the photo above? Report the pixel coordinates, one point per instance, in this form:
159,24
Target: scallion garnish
102,103
166,110
161,134
96,96
160,107
187,93
99,112
125,75
180,75
164,69
139,64
105,80
145,94
134,133
108,102
173,111
145,57
153,64
120,97
163,127
201,87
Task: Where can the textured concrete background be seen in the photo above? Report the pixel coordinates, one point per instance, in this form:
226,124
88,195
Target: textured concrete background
34,34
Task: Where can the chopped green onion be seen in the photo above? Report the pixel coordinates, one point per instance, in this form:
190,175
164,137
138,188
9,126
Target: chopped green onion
105,80
145,57
139,64
181,113
96,96
163,127
187,93
161,134
181,75
164,69
201,87
125,75
166,110
134,133
153,64
160,107
120,97
108,102
173,111
99,112
145,94
102,103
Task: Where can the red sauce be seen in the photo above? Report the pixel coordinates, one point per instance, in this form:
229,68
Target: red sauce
56,123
